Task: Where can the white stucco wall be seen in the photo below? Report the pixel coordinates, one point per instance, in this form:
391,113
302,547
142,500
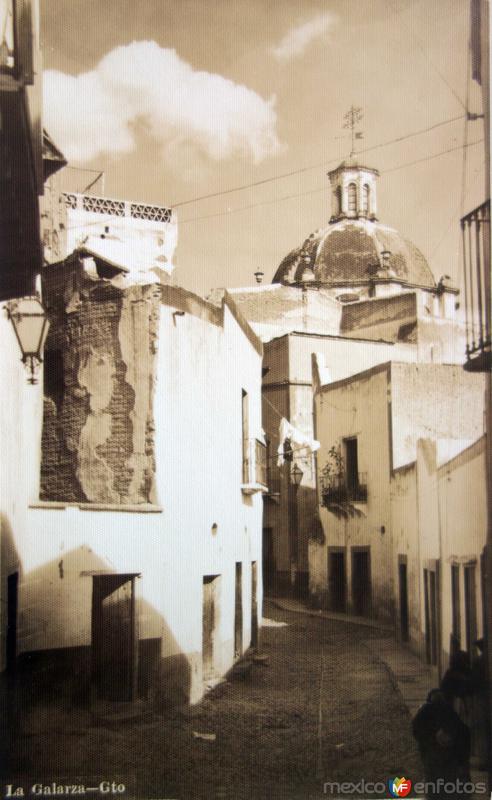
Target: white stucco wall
351,409
202,368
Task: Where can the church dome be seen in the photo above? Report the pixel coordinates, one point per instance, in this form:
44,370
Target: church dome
354,248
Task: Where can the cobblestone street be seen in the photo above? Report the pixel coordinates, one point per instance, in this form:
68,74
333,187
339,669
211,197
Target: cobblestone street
324,708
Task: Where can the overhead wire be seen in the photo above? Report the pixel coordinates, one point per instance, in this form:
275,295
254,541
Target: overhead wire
297,194
322,189
299,171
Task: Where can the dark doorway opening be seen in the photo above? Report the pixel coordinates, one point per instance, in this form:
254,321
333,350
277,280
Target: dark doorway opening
431,596
470,606
403,587
209,624
455,607
361,582
337,580
238,612
11,639
114,637
268,558
254,604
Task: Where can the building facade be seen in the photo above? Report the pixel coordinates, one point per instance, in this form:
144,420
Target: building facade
401,453
359,293
133,554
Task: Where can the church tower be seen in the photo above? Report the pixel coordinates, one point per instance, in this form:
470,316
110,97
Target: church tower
353,190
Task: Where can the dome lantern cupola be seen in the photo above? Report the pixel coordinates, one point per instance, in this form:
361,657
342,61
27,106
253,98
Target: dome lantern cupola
353,190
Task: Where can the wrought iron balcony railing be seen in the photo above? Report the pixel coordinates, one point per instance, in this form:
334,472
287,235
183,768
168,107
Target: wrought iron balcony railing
475,228
337,490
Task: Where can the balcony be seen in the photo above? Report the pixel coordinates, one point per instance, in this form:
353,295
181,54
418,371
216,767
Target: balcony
21,146
338,491
475,229
254,467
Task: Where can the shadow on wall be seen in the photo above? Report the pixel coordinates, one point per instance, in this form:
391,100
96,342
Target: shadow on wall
10,574
87,634
10,571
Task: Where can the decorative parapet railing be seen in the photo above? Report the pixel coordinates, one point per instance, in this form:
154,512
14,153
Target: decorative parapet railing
116,208
475,229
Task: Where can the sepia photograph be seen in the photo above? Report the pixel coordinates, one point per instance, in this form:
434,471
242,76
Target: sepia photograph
245,400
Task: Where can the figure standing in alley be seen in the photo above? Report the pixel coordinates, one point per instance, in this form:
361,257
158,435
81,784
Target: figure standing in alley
444,744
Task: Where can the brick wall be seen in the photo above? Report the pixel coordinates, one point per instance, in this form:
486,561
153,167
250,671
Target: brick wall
97,442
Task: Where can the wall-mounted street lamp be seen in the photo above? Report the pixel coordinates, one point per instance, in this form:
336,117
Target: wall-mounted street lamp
30,324
259,275
296,475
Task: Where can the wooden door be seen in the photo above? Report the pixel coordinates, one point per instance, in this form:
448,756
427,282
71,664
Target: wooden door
11,638
254,604
336,580
209,623
470,606
403,586
114,640
361,582
238,612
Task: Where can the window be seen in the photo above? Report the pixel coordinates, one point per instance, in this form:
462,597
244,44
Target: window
365,198
245,424
356,482
352,198
339,199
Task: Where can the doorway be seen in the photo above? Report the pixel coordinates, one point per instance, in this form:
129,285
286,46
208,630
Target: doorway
337,580
11,638
431,597
114,637
403,589
361,581
268,557
455,608
209,624
254,604
238,612
470,606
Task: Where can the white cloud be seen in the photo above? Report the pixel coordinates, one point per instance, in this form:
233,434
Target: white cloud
143,84
297,39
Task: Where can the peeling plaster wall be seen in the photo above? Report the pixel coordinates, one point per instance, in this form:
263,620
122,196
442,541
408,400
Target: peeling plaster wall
182,364
98,444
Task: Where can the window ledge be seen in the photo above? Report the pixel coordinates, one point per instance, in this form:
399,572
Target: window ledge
251,488
55,505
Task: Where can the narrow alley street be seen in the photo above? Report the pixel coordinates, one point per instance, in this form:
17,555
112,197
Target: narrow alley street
323,708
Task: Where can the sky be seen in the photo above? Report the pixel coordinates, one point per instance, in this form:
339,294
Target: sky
177,101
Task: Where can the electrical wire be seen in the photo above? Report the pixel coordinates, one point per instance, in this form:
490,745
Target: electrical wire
316,166
298,194
323,189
